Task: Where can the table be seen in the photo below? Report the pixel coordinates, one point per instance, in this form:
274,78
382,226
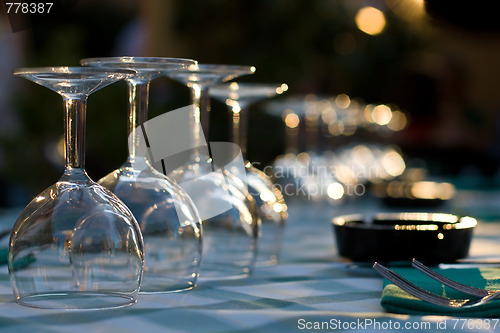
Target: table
311,288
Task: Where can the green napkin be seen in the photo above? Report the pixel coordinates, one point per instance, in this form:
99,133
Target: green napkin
396,300
19,263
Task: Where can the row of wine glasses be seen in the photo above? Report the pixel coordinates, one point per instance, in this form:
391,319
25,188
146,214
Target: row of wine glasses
85,245
335,146
341,149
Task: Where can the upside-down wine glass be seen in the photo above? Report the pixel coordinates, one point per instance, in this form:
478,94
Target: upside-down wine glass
270,202
230,220
76,245
303,168
169,221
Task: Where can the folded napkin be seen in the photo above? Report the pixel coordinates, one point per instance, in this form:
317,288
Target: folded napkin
396,300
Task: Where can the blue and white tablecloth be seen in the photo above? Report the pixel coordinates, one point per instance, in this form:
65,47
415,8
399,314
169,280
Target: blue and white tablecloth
312,289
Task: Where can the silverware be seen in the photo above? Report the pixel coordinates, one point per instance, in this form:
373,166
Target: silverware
429,297
450,283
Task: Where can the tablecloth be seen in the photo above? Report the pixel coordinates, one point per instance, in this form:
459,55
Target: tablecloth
311,289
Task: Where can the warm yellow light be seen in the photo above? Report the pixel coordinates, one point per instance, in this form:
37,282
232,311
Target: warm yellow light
235,106
236,109
281,89
304,157
346,175
335,191
395,189
362,155
410,10
398,121
412,227
446,191
267,196
336,128
424,190
277,207
367,113
431,190
343,101
292,120
328,113
393,163
370,20
466,222
328,116
349,129
381,114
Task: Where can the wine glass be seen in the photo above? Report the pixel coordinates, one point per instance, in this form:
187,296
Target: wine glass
303,168
270,202
230,220
169,221
76,245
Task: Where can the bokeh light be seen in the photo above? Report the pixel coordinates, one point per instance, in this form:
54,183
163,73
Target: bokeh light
370,20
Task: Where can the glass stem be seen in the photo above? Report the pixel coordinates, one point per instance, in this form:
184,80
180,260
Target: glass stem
195,123
240,128
204,103
201,117
137,116
74,129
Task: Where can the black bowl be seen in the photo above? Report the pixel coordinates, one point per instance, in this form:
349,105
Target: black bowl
428,237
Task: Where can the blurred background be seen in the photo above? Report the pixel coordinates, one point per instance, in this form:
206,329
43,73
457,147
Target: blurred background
434,61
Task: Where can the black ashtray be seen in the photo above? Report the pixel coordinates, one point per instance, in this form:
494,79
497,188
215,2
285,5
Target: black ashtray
386,237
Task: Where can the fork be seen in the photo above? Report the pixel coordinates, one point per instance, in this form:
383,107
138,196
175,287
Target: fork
429,297
450,283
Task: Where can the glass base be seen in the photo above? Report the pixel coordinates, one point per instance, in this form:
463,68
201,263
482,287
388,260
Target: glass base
221,271
77,300
161,285
270,244
266,260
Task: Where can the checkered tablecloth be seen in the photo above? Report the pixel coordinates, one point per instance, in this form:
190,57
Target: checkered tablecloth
312,289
